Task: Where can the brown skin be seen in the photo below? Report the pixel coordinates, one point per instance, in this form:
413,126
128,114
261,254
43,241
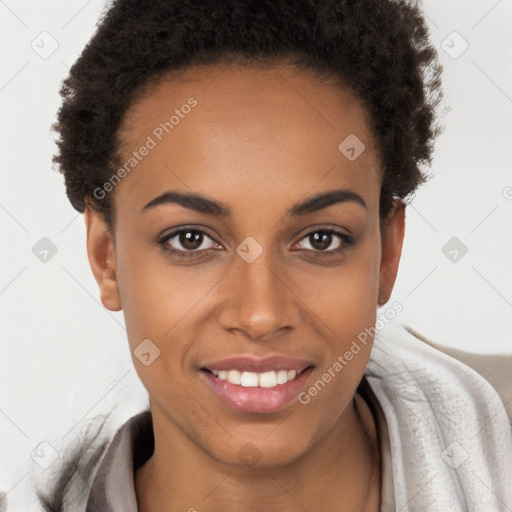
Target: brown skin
259,141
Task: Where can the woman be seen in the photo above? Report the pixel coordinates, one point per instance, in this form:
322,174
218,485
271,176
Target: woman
243,170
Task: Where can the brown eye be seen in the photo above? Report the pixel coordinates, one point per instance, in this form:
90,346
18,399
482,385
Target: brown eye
190,240
325,243
323,240
185,241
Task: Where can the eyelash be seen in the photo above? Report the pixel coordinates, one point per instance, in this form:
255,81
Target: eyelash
346,242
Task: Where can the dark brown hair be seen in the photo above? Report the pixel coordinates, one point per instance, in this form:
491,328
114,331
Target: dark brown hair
379,48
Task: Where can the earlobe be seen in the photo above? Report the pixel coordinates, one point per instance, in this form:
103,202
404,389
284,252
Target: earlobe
392,244
102,258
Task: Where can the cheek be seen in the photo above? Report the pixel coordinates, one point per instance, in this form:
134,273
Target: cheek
156,295
347,304
156,299
345,296
160,302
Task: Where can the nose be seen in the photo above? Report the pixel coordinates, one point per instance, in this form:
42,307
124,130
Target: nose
258,299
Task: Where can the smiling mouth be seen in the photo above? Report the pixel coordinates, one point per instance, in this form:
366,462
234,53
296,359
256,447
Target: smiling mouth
269,379
254,392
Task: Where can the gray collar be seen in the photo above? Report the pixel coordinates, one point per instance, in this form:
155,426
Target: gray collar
113,486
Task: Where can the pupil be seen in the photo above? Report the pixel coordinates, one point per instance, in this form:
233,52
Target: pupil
190,240
321,240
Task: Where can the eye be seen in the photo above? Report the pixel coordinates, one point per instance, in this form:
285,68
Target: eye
187,242
327,241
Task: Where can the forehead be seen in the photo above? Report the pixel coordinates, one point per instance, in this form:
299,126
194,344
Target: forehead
238,129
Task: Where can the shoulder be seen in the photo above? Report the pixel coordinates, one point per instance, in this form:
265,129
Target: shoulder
495,368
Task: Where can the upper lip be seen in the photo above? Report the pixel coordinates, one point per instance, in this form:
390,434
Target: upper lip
258,365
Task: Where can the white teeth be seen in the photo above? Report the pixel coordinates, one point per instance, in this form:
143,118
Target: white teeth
249,380
268,380
253,380
234,377
282,377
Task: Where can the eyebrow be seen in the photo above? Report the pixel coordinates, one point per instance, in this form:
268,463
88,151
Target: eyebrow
203,204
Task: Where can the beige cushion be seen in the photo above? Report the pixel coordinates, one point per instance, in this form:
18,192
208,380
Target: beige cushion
495,368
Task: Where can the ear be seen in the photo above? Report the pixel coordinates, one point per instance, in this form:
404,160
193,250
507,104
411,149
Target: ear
102,258
392,242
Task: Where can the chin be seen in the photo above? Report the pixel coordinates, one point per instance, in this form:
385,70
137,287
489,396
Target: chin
266,453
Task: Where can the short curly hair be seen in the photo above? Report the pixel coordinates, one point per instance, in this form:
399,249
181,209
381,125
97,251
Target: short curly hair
379,48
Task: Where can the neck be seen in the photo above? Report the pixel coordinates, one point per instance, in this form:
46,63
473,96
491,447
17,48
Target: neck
341,470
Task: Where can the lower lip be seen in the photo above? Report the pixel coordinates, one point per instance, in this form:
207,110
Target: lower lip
257,400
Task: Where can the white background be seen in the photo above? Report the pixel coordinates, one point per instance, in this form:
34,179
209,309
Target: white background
64,357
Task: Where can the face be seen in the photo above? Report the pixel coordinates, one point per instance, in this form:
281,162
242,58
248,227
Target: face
248,252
